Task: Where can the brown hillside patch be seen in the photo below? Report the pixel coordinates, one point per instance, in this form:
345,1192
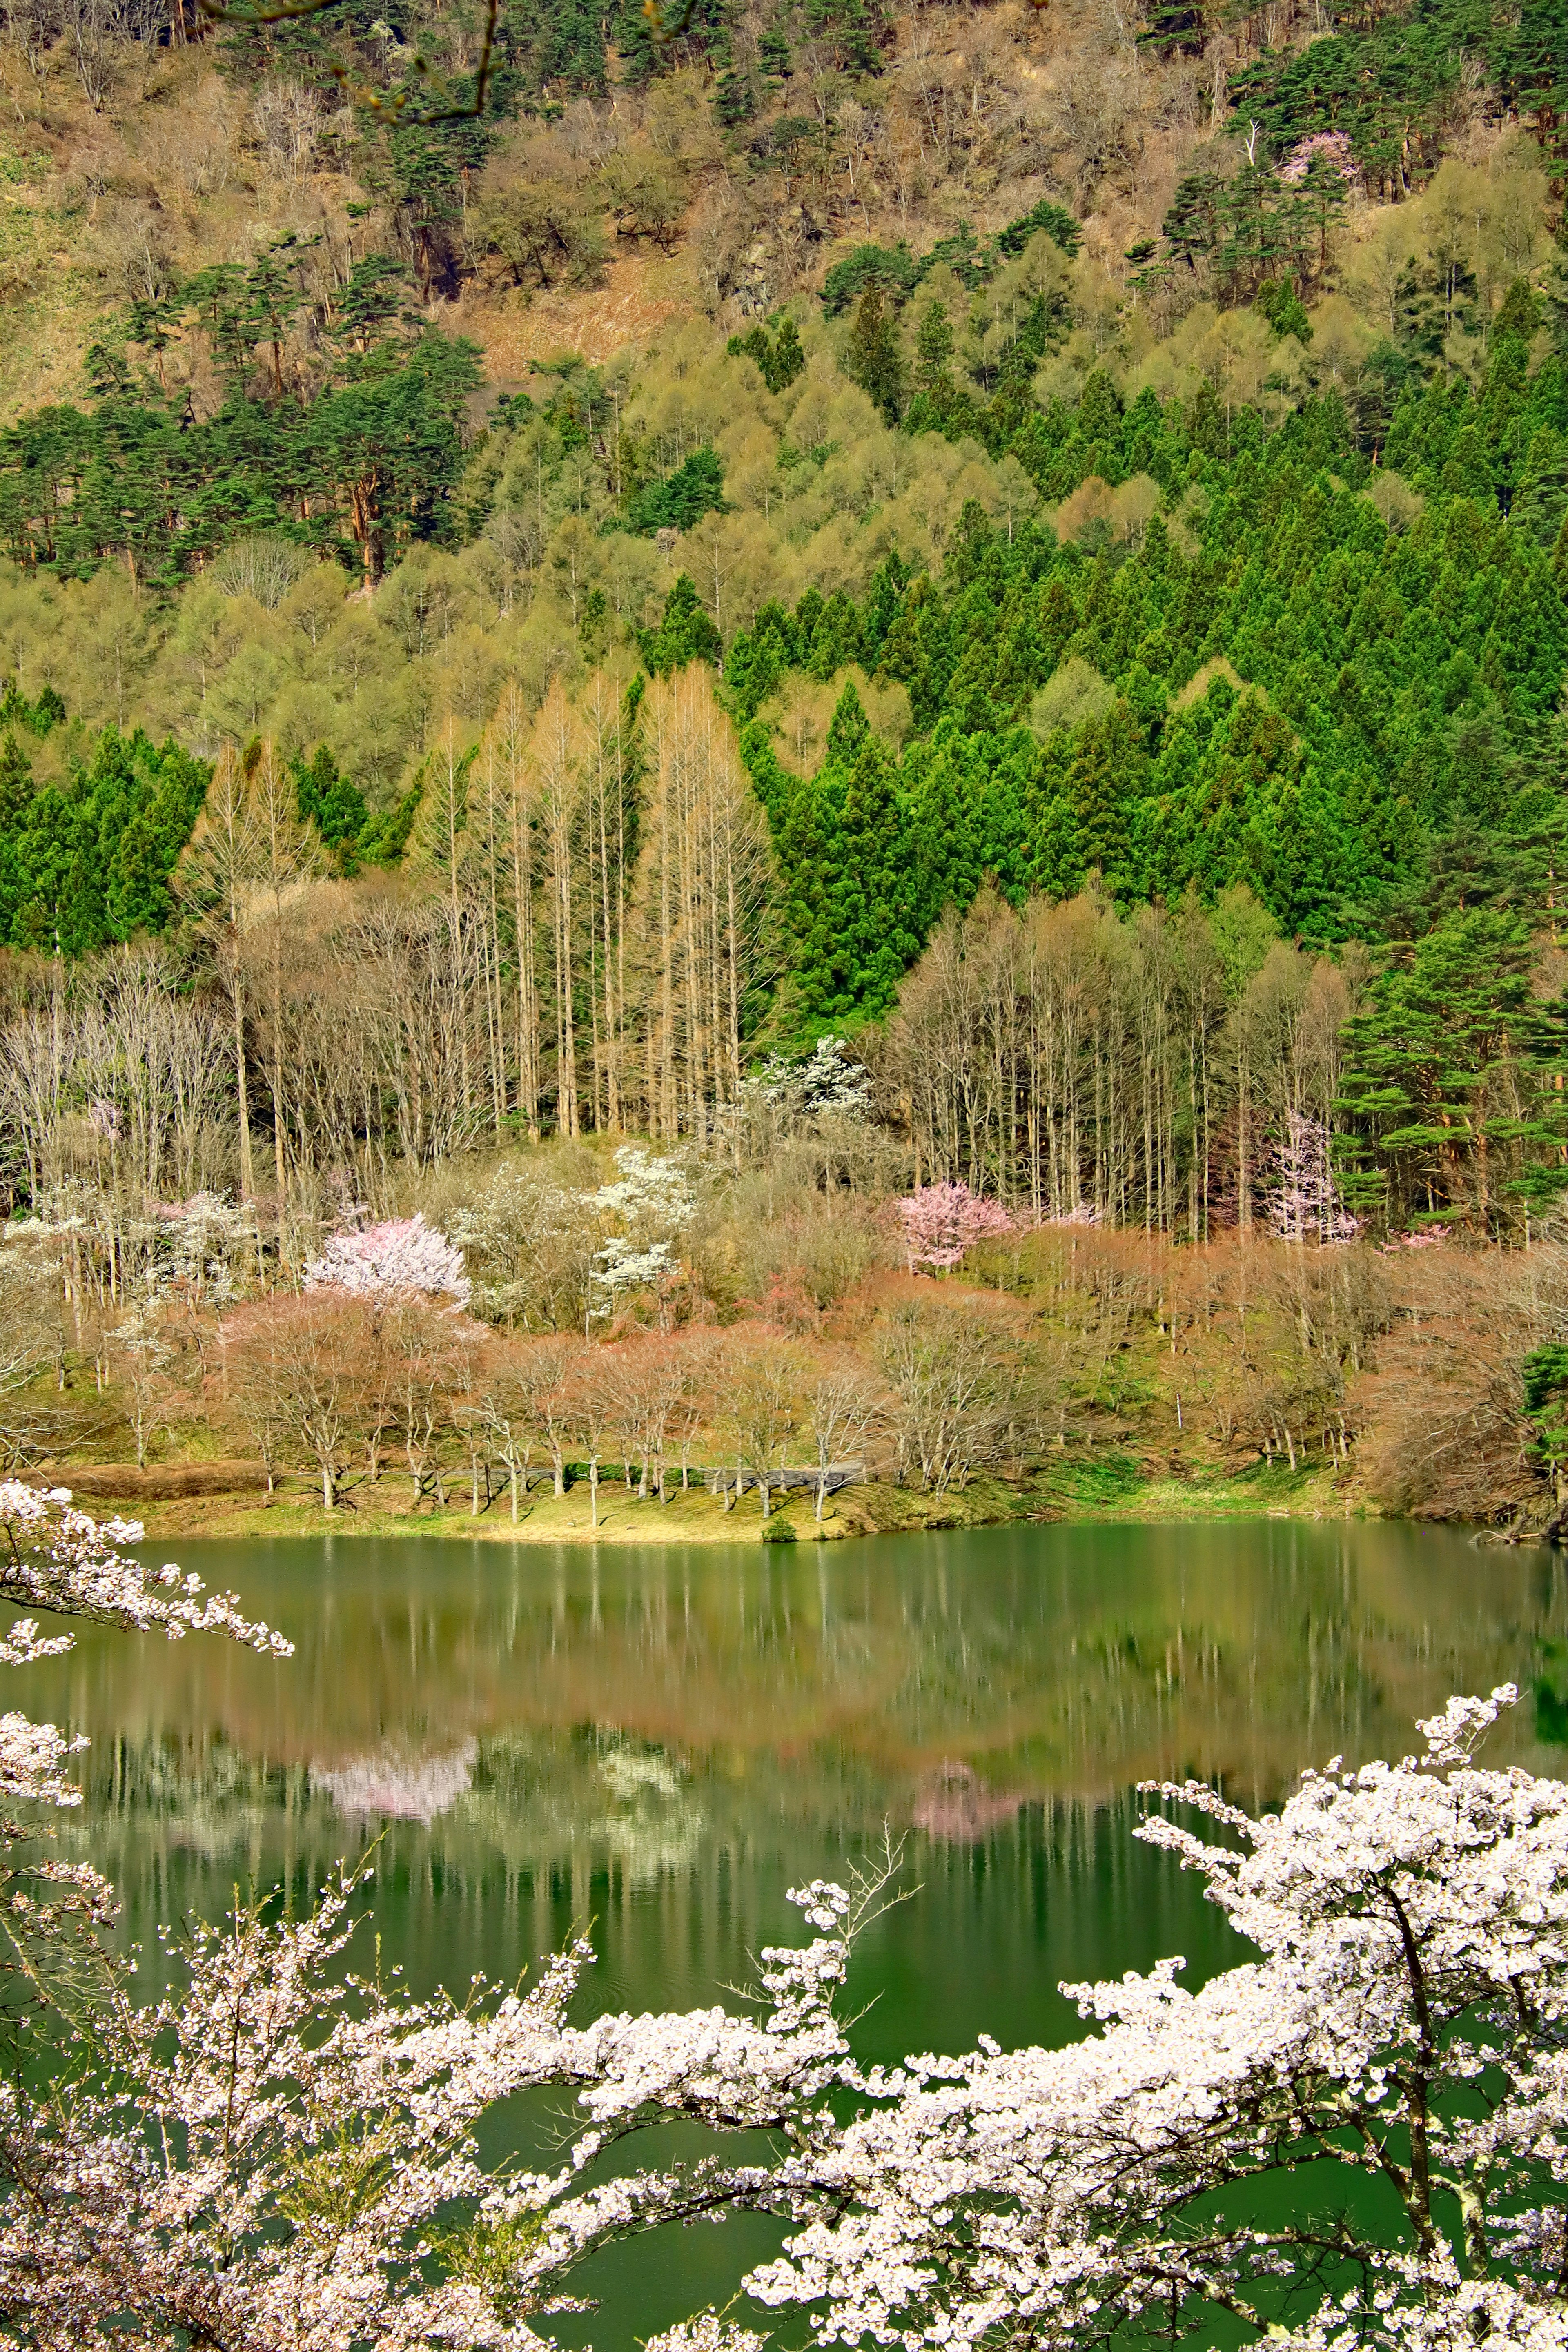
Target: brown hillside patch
1198,685
517,330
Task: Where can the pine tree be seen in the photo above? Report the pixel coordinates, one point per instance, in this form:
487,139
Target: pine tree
871,359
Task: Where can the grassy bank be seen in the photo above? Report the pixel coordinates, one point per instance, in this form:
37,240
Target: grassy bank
1115,1486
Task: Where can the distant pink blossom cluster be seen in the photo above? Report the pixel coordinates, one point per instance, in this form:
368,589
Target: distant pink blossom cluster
1305,1203
942,1221
1331,147
403,1254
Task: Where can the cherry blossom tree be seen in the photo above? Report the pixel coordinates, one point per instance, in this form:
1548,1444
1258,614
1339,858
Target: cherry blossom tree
1304,1202
404,1255
942,1221
1208,2157
1329,150
55,1558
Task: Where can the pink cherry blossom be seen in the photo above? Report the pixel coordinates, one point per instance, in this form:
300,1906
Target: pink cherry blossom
942,1221
404,1255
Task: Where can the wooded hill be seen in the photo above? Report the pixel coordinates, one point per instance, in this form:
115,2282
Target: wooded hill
1088,457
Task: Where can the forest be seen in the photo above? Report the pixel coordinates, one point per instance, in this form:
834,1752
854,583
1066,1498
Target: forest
943,605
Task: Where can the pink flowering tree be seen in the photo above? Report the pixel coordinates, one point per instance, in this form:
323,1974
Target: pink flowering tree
1324,151
941,1221
1304,1202
403,1256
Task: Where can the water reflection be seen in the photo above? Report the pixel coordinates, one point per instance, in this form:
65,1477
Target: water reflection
1041,1661
538,1727
662,1741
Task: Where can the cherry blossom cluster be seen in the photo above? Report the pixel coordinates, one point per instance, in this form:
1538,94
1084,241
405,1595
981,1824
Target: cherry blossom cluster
274,2155
1329,149
828,1079
403,1256
942,1221
650,1192
53,1556
1304,1201
1405,2021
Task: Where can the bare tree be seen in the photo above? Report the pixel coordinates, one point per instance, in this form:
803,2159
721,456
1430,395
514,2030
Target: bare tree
306,1356
841,1403
763,1376
950,1372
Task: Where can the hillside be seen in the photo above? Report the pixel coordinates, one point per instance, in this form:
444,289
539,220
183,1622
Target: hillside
546,583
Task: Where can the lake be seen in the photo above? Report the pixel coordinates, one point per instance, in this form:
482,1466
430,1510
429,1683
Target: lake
660,1741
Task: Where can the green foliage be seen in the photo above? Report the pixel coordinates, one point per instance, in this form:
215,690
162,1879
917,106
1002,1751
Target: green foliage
652,40
1058,224
695,488
558,42
1261,235
1545,1378
871,357
1444,1122
686,634
779,359
335,806
1284,310
851,893
385,837
896,273
1394,683
892,269
39,716
364,470
87,863
1390,82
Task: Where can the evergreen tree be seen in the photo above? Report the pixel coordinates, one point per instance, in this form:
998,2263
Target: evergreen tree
871,359
686,634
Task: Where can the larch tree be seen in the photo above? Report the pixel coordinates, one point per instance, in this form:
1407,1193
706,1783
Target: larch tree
217,871
705,868
285,858
555,753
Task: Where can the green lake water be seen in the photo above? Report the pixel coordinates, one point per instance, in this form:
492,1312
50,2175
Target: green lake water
662,1740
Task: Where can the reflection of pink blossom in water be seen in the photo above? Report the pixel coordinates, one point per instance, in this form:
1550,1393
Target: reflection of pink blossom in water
400,1788
956,1806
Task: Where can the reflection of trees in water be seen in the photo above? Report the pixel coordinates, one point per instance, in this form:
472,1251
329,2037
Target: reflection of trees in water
684,1871
549,1809
591,1724
396,1787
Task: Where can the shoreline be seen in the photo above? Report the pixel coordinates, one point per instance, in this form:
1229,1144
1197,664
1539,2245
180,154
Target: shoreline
1115,1489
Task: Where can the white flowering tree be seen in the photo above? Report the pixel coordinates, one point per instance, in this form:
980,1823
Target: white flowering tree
55,1558
1356,2138
653,1200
